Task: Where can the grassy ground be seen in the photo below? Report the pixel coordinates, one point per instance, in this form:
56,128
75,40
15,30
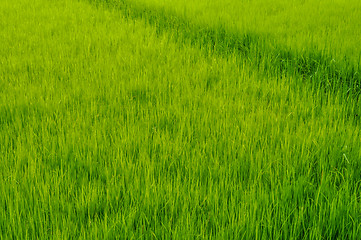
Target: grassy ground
301,25
124,120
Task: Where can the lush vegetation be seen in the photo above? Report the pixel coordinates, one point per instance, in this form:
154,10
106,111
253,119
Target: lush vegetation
152,119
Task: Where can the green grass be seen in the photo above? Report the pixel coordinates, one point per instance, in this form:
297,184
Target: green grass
149,120
324,69
302,25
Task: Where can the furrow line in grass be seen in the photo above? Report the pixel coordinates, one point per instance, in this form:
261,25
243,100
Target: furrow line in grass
261,52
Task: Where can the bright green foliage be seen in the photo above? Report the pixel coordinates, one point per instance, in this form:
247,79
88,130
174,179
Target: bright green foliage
302,25
126,120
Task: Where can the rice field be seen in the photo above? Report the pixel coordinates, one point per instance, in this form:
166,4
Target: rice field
159,119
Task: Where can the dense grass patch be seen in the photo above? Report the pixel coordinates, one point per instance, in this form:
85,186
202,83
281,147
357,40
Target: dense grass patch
329,68
326,25
119,121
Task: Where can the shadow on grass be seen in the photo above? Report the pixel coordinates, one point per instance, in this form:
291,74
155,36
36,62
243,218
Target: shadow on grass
317,68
